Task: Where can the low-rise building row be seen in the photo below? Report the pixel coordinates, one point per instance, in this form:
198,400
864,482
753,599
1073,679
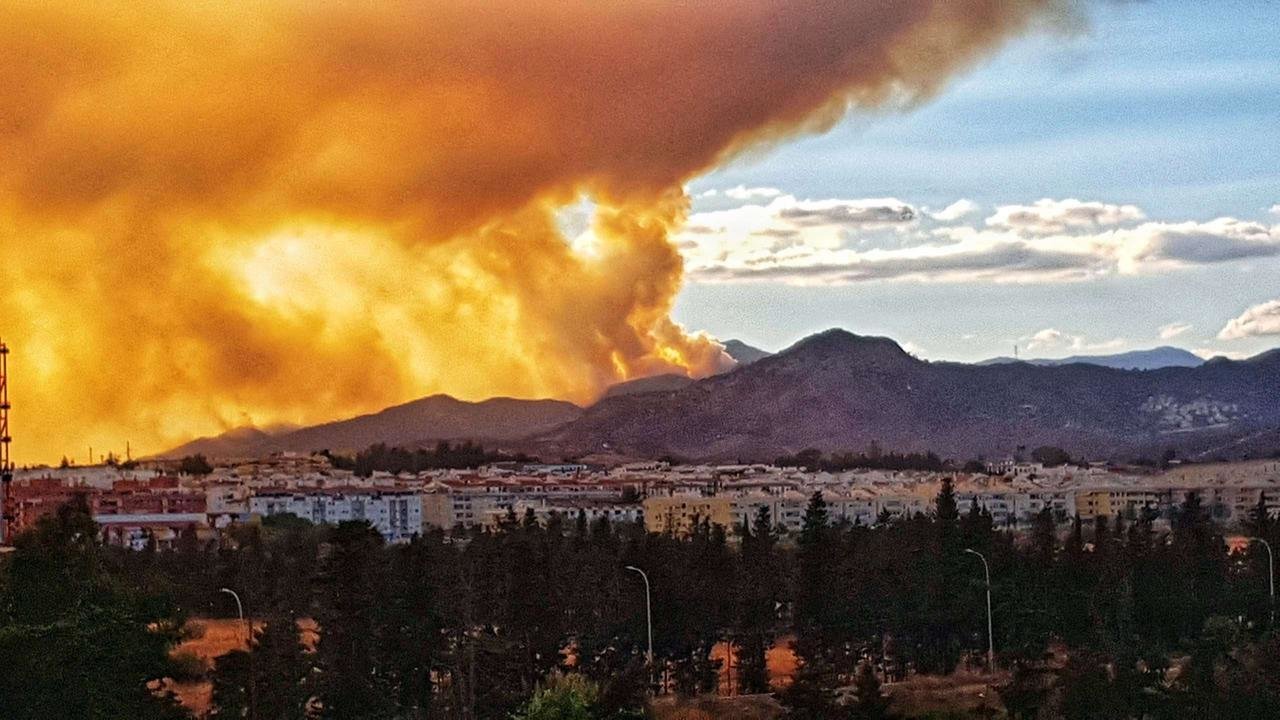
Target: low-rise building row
141,506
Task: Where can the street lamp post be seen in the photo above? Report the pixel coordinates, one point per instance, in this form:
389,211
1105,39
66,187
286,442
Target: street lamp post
991,638
253,681
648,610
1271,575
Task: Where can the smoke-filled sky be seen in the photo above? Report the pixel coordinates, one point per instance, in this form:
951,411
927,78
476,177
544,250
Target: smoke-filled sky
219,213
214,214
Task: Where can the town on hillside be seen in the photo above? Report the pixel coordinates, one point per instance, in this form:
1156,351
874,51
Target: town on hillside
138,505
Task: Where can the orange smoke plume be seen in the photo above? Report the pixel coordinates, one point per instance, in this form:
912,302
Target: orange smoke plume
214,214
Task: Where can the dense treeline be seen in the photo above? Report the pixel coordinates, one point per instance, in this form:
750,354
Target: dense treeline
78,637
1115,620
444,456
813,460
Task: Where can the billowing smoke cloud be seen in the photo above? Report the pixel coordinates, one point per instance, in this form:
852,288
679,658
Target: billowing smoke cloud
219,213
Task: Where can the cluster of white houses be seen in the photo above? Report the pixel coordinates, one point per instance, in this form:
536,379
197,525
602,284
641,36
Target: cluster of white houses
139,506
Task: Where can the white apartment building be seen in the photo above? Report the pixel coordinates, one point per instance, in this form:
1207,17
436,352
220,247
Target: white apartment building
448,505
396,514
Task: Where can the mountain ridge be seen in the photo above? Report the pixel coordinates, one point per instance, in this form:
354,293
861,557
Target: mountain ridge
839,391
1152,359
743,353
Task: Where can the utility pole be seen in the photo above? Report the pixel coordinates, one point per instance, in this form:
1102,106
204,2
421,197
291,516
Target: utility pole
8,510
991,637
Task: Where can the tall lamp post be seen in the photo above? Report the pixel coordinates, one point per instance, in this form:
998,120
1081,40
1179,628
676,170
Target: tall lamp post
648,611
1271,574
991,637
253,681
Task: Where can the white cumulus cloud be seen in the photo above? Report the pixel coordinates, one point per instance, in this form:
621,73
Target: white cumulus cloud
1173,330
956,210
840,241
1261,319
1049,217
1054,339
743,192
1207,353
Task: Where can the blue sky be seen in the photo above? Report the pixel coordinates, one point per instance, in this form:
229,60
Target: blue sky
1168,109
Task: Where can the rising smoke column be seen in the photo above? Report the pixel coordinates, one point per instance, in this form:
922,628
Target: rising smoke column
216,213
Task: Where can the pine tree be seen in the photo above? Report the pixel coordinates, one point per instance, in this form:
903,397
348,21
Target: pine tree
1043,537
811,694
816,522
1028,690
758,594
351,588
1198,560
1101,535
1075,545
946,513
412,613
946,510
281,670
230,680
1072,587
580,529
869,703
976,528
1260,521
280,674
816,580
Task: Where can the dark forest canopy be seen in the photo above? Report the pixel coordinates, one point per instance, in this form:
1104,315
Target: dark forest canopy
470,628
812,459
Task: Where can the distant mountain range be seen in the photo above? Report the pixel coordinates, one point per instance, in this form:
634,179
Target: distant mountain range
431,419
837,391
1152,359
424,421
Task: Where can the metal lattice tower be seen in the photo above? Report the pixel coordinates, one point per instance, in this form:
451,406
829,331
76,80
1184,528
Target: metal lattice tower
6,463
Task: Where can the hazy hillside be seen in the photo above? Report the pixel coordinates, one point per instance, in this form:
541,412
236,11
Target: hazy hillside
744,353
438,417
1152,359
655,383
